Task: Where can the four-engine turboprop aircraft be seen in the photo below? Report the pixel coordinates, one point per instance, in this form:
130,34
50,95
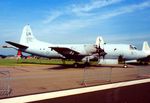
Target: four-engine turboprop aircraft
146,50
106,53
126,53
29,44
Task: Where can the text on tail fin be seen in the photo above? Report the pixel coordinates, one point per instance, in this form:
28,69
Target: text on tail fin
27,35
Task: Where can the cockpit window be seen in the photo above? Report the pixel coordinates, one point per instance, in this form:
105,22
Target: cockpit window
132,47
135,48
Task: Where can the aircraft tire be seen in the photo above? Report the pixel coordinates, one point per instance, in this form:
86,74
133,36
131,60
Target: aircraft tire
125,66
76,65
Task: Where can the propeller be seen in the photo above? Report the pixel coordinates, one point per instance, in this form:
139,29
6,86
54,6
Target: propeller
99,50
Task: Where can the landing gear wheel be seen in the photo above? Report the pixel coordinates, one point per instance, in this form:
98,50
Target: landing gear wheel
125,66
76,65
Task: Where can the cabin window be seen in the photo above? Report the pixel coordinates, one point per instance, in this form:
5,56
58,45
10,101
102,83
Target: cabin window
115,49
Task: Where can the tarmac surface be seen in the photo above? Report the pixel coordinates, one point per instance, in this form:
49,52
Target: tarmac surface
32,79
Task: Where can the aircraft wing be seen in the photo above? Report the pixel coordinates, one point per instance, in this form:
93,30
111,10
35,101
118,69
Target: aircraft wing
20,46
68,53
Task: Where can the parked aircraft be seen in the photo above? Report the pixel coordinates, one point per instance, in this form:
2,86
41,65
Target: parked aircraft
29,44
146,50
106,53
126,53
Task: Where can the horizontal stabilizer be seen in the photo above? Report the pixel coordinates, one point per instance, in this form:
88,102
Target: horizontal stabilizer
17,45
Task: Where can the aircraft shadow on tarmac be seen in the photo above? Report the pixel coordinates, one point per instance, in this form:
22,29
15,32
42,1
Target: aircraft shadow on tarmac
60,65
81,66
111,66
65,66
138,64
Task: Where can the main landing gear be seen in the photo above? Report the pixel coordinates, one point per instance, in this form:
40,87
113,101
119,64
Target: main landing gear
76,65
122,61
125,66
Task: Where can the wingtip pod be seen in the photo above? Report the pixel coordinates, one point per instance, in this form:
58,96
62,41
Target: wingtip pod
145,46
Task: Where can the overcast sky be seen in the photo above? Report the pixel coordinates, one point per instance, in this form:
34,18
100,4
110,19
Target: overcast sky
76,21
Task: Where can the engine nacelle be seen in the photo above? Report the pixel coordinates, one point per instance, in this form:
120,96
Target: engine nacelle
88,58
131,61
108,61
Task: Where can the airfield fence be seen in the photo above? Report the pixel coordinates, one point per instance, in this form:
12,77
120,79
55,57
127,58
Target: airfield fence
5,80
105,75
97,76
144,72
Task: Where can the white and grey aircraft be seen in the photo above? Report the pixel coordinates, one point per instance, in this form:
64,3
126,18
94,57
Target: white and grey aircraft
106,53
146,50
126,53
29,44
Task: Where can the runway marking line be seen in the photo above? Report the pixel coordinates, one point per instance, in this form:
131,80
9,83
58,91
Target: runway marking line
57,94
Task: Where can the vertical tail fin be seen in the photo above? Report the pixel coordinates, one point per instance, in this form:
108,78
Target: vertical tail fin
99,41
145,46
27,36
